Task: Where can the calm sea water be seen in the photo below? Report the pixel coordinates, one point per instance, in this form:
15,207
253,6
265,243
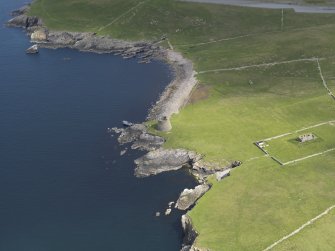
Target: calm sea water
63,185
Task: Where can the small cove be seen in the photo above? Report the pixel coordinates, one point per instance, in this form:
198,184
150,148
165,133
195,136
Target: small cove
64,185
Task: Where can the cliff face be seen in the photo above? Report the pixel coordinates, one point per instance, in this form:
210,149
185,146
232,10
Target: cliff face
190,235
189,196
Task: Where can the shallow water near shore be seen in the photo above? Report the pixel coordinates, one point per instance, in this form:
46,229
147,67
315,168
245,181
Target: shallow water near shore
63,184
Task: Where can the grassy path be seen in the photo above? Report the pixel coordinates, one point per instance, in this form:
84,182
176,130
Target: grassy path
260,65
215,41
300,228
282,19
122,15
323,80
307,157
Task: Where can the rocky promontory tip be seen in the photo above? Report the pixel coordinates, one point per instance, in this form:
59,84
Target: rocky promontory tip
139,137
23,20
163,160
189,196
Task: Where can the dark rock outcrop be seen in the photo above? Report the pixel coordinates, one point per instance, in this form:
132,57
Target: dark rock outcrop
23,10
131,133
190,234
163,160
148,142
24,21
139,137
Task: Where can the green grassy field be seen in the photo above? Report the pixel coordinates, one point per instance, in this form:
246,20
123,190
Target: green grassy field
260,203
288,148
313,237
232,108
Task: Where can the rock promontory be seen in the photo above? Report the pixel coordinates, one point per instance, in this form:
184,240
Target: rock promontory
188,197
162,160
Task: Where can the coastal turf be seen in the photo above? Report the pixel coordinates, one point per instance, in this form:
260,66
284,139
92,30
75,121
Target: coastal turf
261,201
313,237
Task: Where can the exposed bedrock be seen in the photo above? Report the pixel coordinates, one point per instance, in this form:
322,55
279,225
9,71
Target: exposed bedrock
190,234
91,42
83,41
131,133
39,35
139,137
24,9
148,142
24,21
188,197
163,160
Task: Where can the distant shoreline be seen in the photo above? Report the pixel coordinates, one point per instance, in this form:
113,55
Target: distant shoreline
171,100
259,4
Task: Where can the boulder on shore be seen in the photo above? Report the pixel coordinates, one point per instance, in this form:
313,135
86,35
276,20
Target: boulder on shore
39,36
32,49
189,196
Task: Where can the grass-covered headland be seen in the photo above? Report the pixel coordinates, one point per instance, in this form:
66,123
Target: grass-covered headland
261,73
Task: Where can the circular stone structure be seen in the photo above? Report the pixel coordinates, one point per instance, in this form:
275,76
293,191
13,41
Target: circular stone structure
164,124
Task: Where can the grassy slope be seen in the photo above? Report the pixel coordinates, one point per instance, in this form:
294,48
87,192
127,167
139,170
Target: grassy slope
260,202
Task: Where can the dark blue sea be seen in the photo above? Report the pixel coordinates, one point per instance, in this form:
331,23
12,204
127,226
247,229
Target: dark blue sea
63,184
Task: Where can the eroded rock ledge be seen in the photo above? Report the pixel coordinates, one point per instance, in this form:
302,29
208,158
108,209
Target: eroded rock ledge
139,138
188,197
162,160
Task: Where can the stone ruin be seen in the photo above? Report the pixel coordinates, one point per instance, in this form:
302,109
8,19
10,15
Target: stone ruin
164,124
306,137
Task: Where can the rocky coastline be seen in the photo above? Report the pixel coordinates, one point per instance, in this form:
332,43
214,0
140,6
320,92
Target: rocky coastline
175,96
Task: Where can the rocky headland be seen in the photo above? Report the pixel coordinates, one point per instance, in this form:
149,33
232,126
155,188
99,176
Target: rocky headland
175,96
